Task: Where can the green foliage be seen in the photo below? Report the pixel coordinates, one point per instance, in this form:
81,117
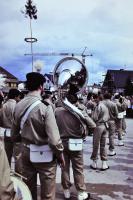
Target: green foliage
31,10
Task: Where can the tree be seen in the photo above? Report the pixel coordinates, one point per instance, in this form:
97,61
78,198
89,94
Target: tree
129,87
30,10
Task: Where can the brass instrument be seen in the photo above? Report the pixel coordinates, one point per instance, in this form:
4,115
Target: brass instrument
21,189
70,76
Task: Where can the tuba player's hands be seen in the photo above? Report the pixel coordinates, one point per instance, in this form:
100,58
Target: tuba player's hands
61,160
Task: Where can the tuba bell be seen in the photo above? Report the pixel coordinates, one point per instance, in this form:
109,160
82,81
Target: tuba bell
21,189
70,76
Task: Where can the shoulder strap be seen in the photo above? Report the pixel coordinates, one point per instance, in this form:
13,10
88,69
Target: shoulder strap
77,113
24,118
46,103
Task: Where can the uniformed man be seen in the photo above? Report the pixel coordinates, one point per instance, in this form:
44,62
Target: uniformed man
38,130
71,128
90,104
121,106
84,110
80,105
101,116
113,113
6,119
47,98
7,191
124,126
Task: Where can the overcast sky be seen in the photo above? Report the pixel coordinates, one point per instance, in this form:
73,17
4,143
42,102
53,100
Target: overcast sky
105,27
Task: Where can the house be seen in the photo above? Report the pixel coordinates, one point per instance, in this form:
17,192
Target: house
117,80
10,80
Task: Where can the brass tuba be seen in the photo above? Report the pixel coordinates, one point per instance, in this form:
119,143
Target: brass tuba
21,189
70,76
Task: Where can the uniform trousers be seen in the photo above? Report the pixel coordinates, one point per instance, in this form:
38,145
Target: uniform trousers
119,128
8,148
47,175
112,128
13,149
17,153
76,158
6,185
99,139
124,124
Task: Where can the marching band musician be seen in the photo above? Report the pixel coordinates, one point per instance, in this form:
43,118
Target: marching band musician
6,119
113,113
101,116
84,110
47,98
71,128
90,104
124,126
121,106
39,129
7,191
81,105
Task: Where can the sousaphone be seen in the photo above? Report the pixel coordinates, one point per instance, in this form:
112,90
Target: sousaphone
21,189
70,77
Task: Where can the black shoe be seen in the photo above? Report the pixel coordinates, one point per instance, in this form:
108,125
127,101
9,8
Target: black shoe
105,169
93,167
90,134
112,154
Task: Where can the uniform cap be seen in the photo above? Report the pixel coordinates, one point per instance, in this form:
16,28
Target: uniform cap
47,92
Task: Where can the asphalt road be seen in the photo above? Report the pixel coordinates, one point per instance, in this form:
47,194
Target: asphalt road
113,184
